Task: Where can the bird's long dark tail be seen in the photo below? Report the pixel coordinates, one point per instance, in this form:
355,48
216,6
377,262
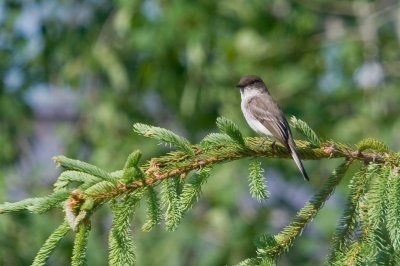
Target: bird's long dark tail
293,150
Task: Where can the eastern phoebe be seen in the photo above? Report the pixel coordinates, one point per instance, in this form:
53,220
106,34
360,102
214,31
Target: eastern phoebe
264,116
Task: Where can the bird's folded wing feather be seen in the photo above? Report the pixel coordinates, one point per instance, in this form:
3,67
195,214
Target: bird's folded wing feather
274,121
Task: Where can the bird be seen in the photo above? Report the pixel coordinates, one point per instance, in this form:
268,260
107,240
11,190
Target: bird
265,117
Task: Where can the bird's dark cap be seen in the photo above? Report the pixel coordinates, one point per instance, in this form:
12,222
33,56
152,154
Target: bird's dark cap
249,80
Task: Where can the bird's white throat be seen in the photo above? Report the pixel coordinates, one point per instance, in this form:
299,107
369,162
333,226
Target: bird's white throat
253,122
247,93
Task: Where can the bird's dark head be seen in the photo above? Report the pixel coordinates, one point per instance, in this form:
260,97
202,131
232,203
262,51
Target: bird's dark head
251,82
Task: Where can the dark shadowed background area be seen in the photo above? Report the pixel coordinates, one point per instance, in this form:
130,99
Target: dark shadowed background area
76,75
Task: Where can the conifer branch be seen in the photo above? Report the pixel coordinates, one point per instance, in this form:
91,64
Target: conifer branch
80,245
177,163
393,209
306,131
121,246
258,186
285,239
192,189
169,193
348,221
83,188
50,244
71,164
153,210
231,129
164,135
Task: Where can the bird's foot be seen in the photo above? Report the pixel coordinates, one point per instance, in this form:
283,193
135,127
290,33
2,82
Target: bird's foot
273,145
262,143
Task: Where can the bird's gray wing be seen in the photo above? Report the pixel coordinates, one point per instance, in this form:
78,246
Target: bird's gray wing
267,112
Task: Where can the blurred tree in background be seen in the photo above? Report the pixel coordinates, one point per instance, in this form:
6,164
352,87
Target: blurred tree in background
77,74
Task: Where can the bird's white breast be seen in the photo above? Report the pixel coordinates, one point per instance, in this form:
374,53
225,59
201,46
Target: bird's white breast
251,120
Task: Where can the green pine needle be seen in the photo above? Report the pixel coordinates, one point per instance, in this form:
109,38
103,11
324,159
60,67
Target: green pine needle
231,129
249,262
131,170
133,159
71,164
265,243
267,262
36,205
17,206
45,251
257,182
69,176
376,197
46,203
101,188
372,144
393,206
216,140
306,131
352,256
164,135
130,174
192,189
153,210
80,245
348,221
381,252
120,242
286,237
170,199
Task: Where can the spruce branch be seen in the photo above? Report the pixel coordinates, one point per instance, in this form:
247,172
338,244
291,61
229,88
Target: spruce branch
259,262
71,164
370,236
44,253
372,144
376,194
120,242
36,205
231,129
348,221
192,189
153,210
306,131
170,200
215,141
80,245
248,262
177,163
131,171
17,206
393,209
286,237
354,254
257,182
164,135
83,188
69,176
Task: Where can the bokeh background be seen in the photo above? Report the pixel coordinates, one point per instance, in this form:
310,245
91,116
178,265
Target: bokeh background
75,76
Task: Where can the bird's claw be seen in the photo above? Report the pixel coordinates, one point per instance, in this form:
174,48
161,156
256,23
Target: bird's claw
262,143
273,145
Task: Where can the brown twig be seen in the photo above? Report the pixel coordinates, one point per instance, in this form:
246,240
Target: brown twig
178,163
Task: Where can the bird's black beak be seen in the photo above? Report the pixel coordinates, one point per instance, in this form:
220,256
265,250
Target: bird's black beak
238,86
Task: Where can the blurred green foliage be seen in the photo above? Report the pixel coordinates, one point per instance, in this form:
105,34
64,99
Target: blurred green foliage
174,64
